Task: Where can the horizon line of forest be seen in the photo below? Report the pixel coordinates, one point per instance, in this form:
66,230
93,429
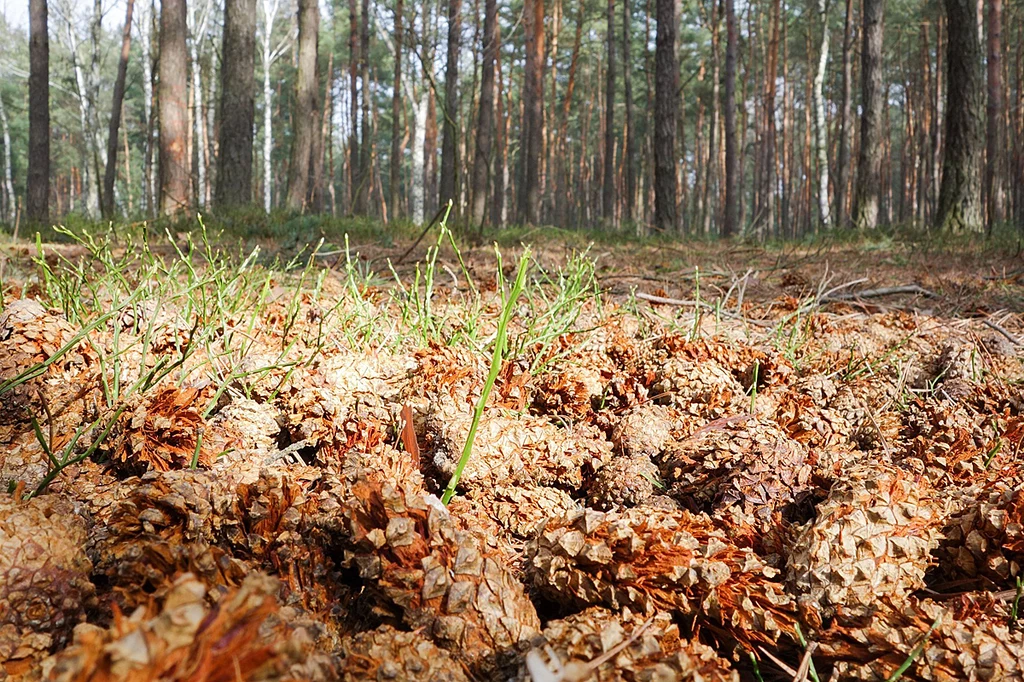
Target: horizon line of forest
708,117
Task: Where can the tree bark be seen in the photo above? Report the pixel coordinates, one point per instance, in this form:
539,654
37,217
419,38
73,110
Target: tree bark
869,162
366,126
628,146
305,106
485,120
608,190
107,195
146,35
173,103
994,128
665,78
37,205
355,160
533,112
820,125
845,128
237,105
396,115
730,225
500,184
960,205
449,143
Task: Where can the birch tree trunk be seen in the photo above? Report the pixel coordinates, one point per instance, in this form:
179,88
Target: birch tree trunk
269,54
417,195
820,127
8,213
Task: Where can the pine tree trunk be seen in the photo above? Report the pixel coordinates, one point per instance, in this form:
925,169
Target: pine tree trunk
994,129
500,189
395,170
237,105
608,191
173,102
960,206
358,205
845,127
820,125
730,225
37,205
665,79
629,151
115,115
305,106
533,113
869,162
449,143
366,146
485,121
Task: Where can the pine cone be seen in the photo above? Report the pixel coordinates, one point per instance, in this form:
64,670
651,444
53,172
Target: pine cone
701,389
513,449
987,538
240,637
516,511
431,570
645,430
389,654
650,559
740,460
574,644
624,482
44,578
161,433
872,539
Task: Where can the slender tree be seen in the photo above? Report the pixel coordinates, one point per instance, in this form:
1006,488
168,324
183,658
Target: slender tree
173,101
366,125
37,205
665,79
450,141
994,128
396,114
305,106
820,124
732,201
628,145
355,160
8,180
608,191
869,161
485,120
960,206
845,127
237,104
107,195
533,112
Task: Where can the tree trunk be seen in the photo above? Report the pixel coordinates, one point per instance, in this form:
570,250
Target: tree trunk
485,121
315,192
994,129
449,143
845,127
198,36
37,205
355,160
8,205
173,102
305,106
960,205
396,115
107,195
237,105
366,126
869,162
608,191
665,77
146,33
417,197
270,8
820,126
533,113
629,207
732,201
500,184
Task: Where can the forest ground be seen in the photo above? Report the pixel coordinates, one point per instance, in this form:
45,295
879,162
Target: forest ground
700,459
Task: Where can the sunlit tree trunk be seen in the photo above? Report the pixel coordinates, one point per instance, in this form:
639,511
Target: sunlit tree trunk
533,113
845,126
173,101
869,161
730,225
8,213
237,105
305,106
820,124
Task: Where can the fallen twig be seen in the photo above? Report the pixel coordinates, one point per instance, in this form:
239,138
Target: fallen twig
1002,330
876,293
682,302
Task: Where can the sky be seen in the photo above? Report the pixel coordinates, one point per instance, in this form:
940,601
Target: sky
16,12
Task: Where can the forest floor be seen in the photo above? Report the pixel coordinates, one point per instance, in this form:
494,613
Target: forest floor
222,458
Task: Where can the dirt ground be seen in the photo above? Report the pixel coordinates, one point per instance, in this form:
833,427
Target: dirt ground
698,462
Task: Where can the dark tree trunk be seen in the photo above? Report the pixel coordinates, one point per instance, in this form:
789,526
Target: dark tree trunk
304,120
173,101
629,206
109,173
960,193
485,121
237,105
665,78
37,205
366,126
396,116
498,206
430,150
533,112
608,191
732,201
355,173
869,162
450,140
845,129
994,129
